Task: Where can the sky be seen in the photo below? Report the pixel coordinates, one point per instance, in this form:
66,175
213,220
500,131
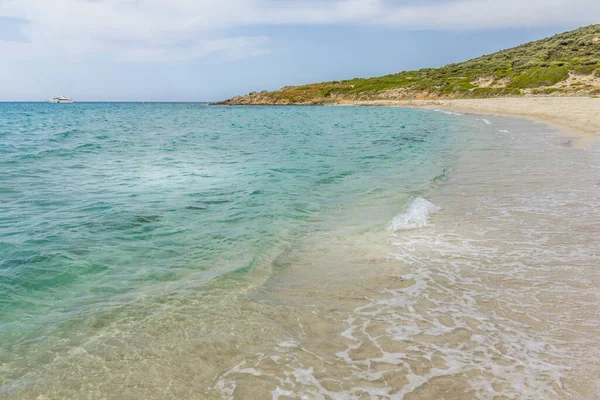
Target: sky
208,50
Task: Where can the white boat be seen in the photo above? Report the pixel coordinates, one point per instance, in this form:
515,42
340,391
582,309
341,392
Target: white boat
60,99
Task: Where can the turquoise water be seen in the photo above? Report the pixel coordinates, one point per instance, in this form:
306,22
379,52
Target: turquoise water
103,206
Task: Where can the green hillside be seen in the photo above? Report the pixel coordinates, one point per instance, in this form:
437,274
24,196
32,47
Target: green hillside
564,64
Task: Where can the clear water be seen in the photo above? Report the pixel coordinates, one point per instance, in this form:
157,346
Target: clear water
189,251
101,204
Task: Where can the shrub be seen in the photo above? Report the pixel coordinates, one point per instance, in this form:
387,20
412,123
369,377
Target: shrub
551,90
540,76
584,69
463,85
493,92
325,92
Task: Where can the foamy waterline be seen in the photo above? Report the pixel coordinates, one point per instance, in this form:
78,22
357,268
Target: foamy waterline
447,112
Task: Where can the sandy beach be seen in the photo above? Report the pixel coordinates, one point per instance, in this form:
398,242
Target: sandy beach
571,116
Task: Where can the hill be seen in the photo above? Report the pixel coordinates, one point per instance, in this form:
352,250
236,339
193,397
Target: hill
565,64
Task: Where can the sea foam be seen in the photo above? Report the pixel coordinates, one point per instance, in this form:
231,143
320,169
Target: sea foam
445,112
415,215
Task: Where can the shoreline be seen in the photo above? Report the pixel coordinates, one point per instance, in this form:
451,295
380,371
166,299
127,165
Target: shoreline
574,117
577,117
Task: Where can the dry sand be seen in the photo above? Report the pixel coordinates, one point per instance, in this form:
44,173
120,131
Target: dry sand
572,116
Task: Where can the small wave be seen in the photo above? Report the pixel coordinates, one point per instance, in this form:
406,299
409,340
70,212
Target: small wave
485,121
446,112
441,177
416,215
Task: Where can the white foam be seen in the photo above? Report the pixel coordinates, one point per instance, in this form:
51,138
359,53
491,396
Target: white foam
446,112
288,343
485,121
416,215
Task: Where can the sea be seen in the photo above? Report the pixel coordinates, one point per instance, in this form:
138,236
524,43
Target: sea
192,251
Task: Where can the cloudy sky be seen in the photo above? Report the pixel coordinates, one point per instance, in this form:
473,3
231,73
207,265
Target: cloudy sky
193,50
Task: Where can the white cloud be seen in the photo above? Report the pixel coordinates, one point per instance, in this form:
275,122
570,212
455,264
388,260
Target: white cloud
179,30
493,14
225,49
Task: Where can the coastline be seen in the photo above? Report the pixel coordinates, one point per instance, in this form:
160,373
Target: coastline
570,116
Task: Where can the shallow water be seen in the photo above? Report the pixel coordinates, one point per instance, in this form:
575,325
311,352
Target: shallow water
181,251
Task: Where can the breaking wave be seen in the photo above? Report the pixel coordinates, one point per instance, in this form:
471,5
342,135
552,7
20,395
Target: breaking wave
416,215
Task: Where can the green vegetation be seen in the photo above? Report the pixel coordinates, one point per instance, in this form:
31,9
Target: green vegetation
540,76
537,68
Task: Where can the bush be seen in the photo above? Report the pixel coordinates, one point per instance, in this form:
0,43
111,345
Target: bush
584,69
495,92
326,92
551,90
536,77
